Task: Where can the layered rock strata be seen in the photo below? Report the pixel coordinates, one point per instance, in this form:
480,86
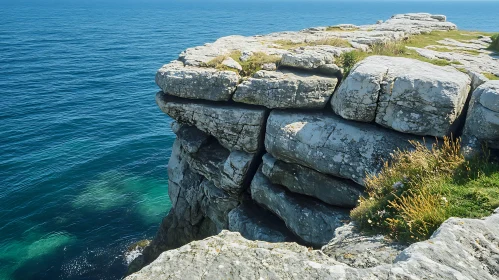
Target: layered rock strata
282,155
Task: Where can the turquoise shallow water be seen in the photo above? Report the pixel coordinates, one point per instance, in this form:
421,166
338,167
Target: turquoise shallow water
83,148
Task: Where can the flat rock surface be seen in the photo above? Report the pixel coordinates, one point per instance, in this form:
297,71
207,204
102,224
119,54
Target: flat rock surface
463,249
359,250
403,94
235,127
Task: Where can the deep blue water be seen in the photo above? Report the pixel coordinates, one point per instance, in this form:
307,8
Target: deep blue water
83,147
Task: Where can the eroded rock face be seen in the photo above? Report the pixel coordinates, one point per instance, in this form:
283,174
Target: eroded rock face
285,89
235,127
403,94
463,249
332,145
255,223
196,82
482,121
190,137
216,204
309,219
299,179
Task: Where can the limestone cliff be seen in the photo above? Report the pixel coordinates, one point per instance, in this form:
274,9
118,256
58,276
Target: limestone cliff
281,155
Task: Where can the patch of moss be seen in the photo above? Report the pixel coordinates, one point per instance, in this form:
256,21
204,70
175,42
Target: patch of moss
491,76
432,38
339,29
420,189
392,48
336,42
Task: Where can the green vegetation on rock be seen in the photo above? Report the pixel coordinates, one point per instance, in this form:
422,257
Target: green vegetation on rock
249,67
420,189
335,42
491,76
494,46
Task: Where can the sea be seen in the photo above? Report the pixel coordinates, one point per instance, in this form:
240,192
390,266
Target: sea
83,146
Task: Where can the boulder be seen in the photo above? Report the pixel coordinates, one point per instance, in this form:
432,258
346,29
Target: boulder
196,82
237,127
286,89
303,180
332,145
403,94
256,223
191,138
482,121
359,250
314,222
463,249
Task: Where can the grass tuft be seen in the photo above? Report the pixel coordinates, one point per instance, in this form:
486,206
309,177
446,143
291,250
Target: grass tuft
336,42
494,46
491,76
250,66
420,189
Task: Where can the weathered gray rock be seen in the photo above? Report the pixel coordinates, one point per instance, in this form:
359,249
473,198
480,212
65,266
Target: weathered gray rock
235,175
190,137
255,223
415,23
237,127
482,121
231,63
406,95
359,250
312,57
216,204
309,219
209,161
332,145
285,89
229,171
303,180
196,82
461,249
477,79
